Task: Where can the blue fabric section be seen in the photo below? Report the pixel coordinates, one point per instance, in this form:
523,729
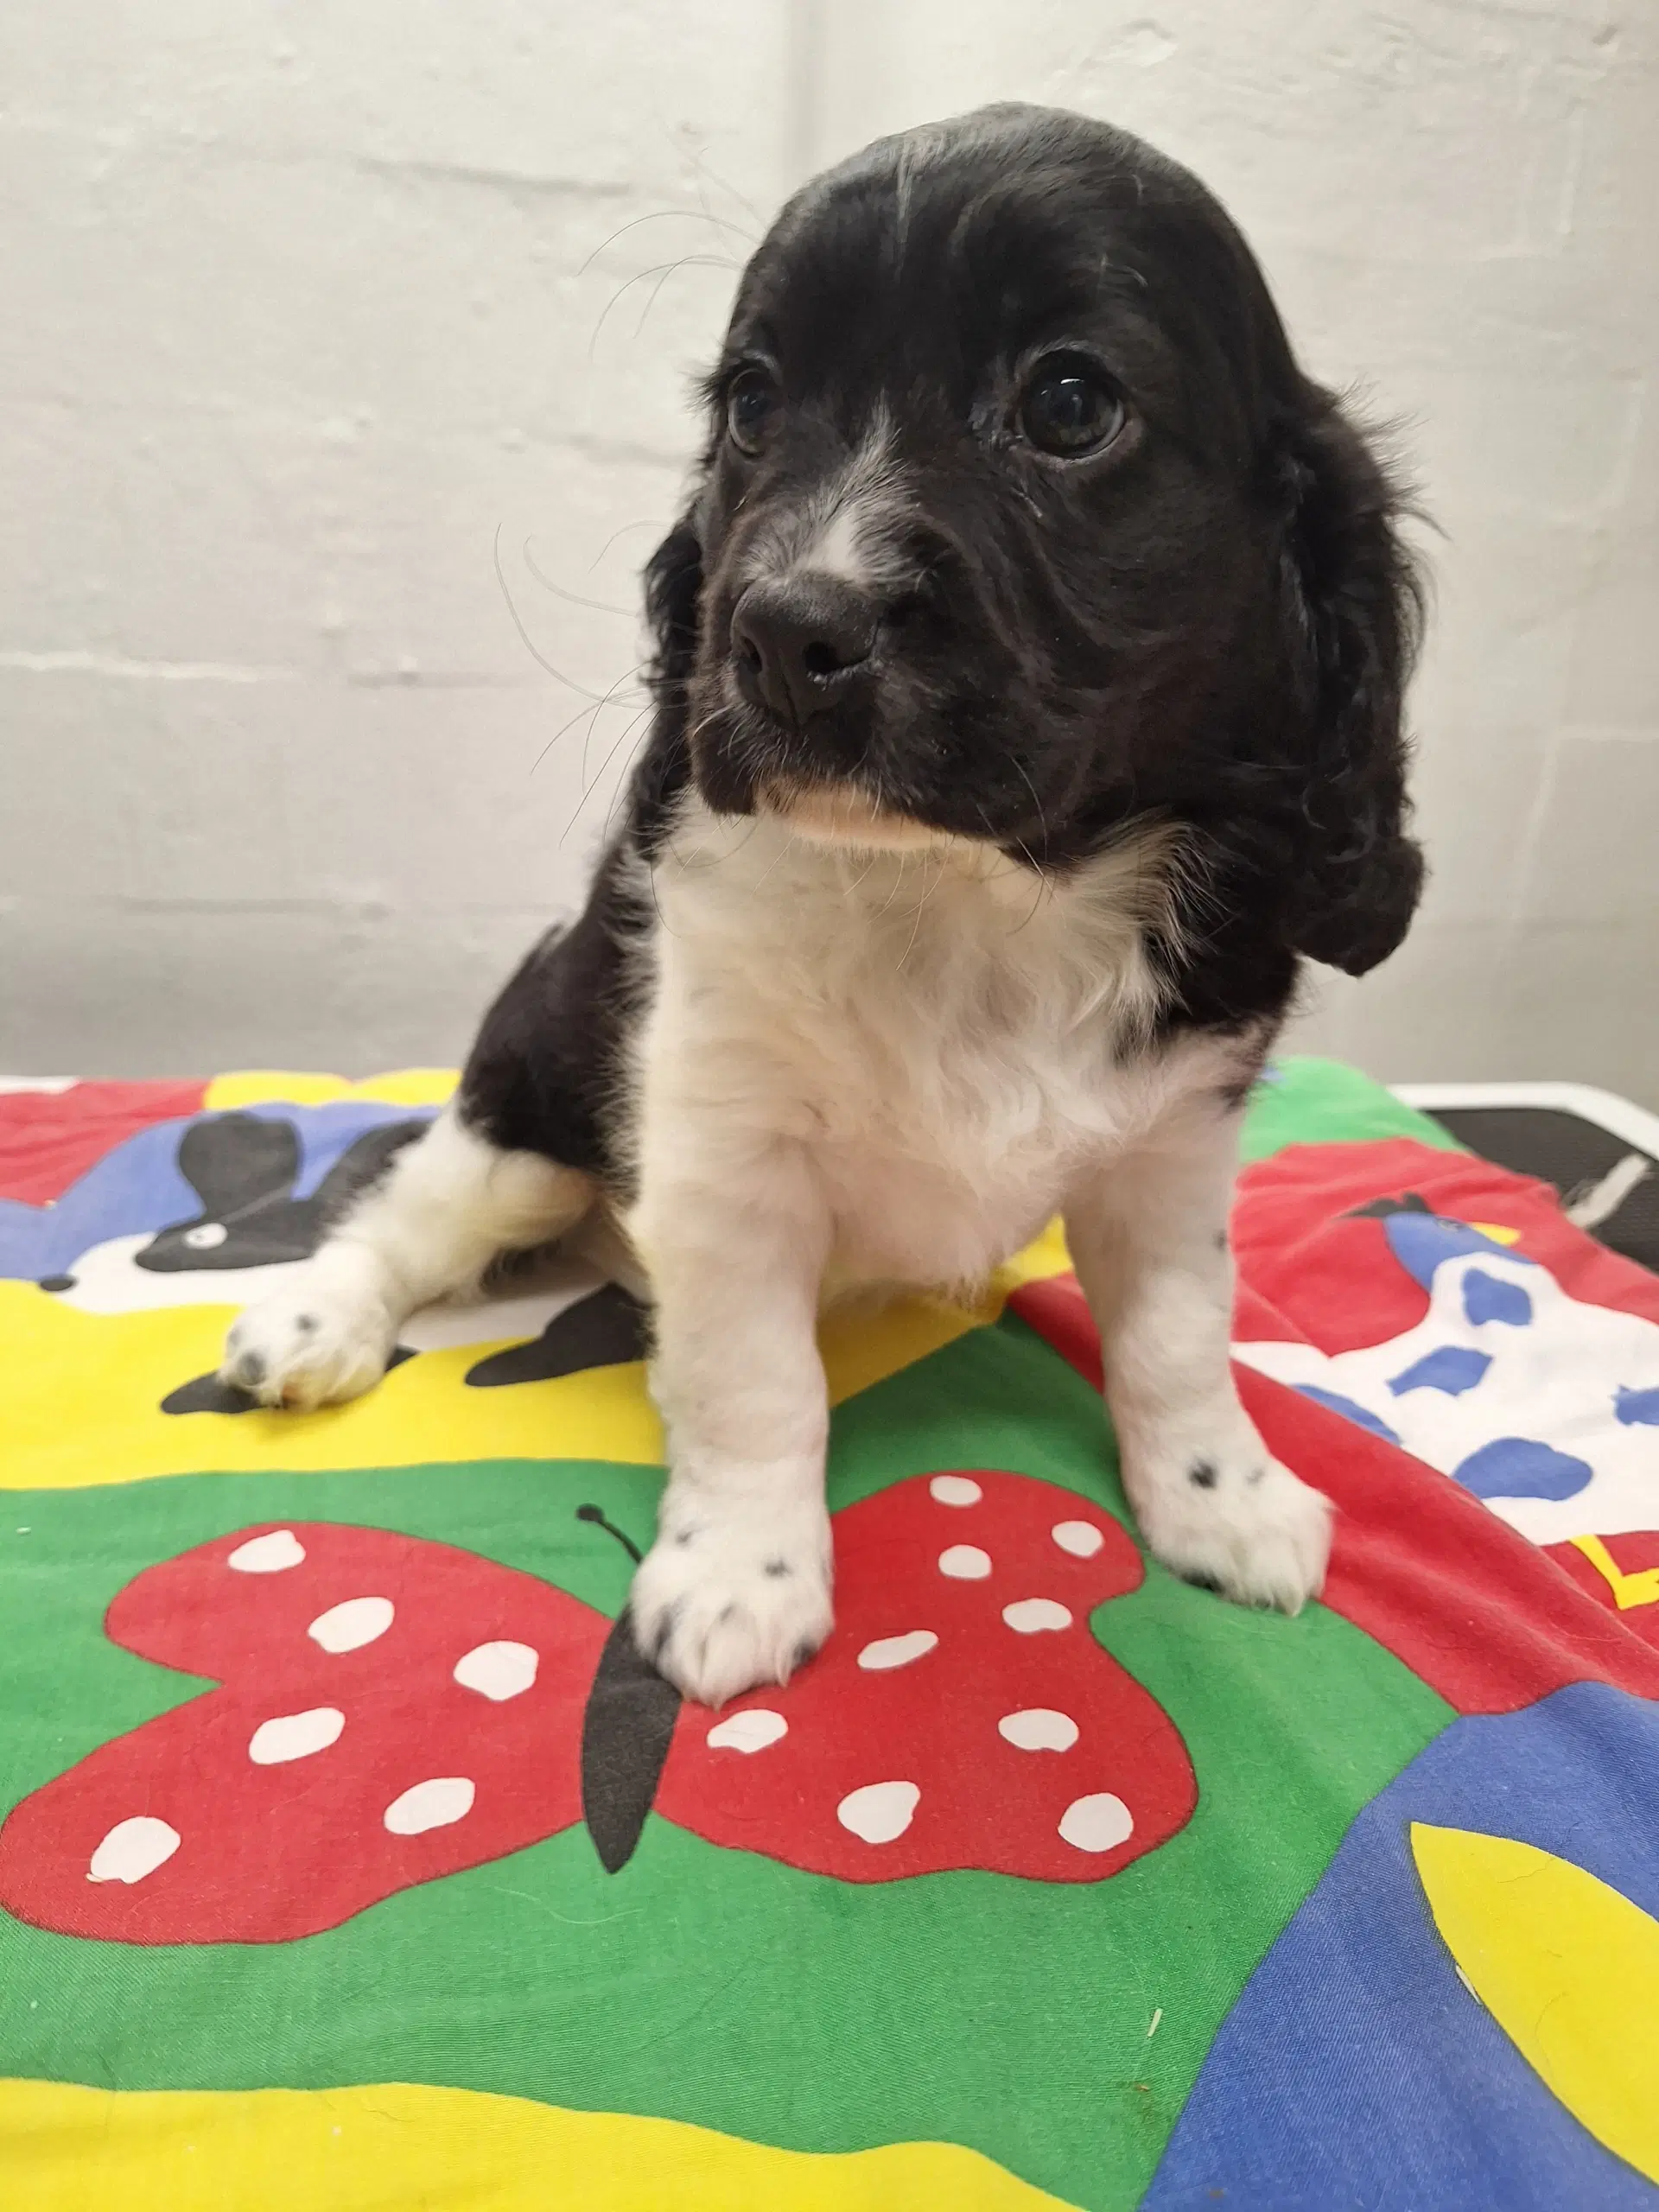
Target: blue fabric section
1521,1466
1636,1408
136,1189
1357,2071
1489,1298
1453,1369
1422,1242
1335,1403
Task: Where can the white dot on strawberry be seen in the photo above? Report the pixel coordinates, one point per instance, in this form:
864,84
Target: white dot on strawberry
956,1489
1038,1728
880,1811
268,1554
965,1563
897,1650
438,1804
296,1735
132,1849
1096,1823
1081,1538
498,1671
352,1624
747,1731
1026,1616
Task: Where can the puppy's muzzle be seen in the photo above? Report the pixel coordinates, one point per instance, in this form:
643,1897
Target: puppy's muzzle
803,644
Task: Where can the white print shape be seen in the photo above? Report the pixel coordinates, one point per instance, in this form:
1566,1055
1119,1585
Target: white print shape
296,1735
897,1650
1556,1380
880,1811
206,1236
965,1563
1028,1615
1038,1728
956,1489
1081,1538
1097,1823
498,1671
351,1624
268,1554
435,1804
747,1731
132,1849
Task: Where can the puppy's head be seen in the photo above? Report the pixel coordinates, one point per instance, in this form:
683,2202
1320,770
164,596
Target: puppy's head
1018,523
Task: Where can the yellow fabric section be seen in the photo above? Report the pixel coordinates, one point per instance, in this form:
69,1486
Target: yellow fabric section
263,1086
1568,1968
1640,1588
391,2147
83,1393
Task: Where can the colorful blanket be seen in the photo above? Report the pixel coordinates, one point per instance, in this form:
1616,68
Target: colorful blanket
347,1863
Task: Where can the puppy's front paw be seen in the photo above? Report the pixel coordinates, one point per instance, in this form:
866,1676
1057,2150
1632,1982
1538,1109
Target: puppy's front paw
1233,1520
308,1344
722,1602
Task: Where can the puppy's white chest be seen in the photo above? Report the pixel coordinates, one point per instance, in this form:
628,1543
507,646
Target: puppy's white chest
940,1035
946,1141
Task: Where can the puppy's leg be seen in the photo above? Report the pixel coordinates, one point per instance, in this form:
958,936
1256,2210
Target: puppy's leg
736,1591
1148,1238
446,1206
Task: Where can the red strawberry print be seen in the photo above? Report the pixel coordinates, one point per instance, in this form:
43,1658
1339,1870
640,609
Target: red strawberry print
393,1709
962,1715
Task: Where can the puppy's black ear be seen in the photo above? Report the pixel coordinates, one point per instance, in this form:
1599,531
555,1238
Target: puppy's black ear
673,598
673,589
1351,611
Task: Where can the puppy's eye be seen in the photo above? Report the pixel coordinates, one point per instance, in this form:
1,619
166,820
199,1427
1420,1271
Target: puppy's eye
750,404
1070,408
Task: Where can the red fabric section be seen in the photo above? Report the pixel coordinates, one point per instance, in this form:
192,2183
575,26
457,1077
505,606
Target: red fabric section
48,1138
1486,1618
269,1851
1634,1554
931,1722
1300,1250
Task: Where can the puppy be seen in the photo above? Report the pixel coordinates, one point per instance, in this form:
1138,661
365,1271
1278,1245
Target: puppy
1027,680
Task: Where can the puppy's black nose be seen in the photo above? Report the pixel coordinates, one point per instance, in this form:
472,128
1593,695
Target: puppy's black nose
796,642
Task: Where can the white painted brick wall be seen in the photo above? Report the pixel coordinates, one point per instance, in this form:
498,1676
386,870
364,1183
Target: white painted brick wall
297,321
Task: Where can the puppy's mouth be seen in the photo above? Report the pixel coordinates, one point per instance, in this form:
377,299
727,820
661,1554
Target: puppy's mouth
843,814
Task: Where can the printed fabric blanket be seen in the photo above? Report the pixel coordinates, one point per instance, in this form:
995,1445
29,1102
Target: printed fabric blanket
347,1862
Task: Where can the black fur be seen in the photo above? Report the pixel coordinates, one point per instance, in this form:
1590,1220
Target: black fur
1209,623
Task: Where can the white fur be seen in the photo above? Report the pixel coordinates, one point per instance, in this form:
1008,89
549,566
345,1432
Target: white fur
107,1278
874,1067
448,1204
846,529
863,1066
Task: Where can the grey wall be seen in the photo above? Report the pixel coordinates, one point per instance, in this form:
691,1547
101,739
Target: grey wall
309,309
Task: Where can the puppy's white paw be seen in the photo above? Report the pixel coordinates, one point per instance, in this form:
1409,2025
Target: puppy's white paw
310,1344
724,1602
1233,1520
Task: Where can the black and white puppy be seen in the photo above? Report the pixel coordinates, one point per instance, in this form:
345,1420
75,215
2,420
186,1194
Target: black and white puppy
1028,673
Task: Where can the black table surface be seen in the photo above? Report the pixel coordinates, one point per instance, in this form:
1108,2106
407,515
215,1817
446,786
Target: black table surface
1573,1153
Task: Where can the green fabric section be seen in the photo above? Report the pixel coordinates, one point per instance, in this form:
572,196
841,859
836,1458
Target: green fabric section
708,1985
1303,1101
